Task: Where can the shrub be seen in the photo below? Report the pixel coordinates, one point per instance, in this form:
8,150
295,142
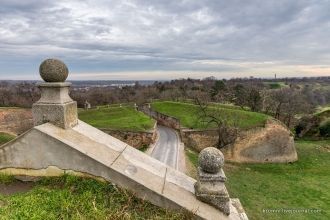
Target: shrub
307,126
325,128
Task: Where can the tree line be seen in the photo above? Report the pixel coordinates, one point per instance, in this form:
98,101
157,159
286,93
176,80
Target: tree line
283,99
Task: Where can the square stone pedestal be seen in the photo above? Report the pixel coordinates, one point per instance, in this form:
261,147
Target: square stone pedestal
62,115
210,188
55,106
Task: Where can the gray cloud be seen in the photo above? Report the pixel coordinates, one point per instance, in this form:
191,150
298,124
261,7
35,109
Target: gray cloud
218,37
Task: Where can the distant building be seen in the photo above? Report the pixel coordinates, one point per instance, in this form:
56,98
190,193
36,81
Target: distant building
87,105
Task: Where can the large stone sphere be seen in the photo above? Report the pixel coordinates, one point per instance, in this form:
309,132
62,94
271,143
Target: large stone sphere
211,160
53,70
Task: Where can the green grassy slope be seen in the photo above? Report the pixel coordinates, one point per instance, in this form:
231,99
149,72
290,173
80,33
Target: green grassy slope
324,112
120,118
70,197
275,85
300,185
187,113
4,137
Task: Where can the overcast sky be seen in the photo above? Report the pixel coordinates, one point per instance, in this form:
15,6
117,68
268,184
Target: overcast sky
166,39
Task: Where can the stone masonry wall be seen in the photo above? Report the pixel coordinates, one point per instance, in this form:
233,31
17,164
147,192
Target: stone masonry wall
137,139
161,118
15,120
272,143
199,139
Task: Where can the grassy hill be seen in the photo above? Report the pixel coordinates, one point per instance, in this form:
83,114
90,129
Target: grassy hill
70,197
323,112
300,185
187,113
4,138
119,118
275,85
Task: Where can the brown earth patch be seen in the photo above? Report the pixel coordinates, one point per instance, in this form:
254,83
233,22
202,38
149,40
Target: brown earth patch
15,187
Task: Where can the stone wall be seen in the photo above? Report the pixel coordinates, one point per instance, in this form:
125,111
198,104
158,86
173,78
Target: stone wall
161,118
137,139
15,120
272,143
199,139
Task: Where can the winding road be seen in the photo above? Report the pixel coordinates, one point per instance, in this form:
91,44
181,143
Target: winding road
167,146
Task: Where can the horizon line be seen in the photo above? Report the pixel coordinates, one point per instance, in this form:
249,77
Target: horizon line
180,78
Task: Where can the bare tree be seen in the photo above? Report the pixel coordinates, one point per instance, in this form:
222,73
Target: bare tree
254,99
286,103
239,95
215,115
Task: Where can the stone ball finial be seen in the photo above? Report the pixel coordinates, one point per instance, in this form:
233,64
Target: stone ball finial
211,160
53,70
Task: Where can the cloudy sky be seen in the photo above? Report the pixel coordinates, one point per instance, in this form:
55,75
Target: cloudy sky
165,39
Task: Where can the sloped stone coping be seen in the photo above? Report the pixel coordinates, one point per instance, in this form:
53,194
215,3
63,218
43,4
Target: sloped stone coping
85,149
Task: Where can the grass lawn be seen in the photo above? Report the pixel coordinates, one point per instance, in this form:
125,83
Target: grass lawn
187,113
119,118
70,197
4,138
304,184
275,85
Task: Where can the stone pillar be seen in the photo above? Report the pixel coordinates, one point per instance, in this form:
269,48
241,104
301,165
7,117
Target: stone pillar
210,186
55,105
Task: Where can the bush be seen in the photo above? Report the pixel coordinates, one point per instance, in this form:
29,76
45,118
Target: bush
307,126
325,128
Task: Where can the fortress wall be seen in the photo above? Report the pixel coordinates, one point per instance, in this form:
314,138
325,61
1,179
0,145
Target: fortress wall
272,143
161,118
15,120
137,139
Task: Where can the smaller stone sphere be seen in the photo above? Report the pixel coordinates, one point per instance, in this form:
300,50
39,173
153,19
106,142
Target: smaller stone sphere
211,160
53,70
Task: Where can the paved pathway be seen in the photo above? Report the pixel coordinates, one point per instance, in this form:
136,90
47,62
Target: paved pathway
166,148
